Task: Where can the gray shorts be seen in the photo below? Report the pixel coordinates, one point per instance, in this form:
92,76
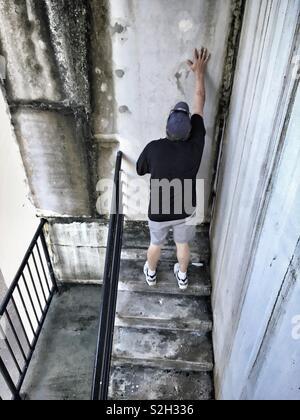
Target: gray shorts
184,231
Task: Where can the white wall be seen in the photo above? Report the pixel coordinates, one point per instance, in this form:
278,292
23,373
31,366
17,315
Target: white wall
256,228
17,216
151,44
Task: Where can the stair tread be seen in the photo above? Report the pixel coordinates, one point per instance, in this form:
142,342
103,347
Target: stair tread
144,310
173,325
163,364
167,254
139,383
164,349
132,279
162,340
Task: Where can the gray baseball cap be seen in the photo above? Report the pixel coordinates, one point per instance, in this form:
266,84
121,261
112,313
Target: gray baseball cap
179,124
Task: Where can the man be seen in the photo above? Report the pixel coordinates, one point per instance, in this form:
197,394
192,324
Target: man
175,161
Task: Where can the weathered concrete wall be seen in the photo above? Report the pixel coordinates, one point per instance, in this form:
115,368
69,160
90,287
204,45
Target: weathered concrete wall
255,234
105,60
54,153
78,250
17,214
87,77
45,44
149,43
102,76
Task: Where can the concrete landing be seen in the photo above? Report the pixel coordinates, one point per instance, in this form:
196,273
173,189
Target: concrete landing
62,366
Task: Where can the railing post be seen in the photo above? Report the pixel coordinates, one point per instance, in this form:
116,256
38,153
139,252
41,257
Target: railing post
10,299
102,333
9,381
110,289
48,259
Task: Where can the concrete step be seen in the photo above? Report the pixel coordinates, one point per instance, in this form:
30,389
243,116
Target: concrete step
132,279
162,341
138,383
161,311
163,349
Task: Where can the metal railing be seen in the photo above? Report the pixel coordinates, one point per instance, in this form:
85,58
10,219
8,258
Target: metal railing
23,312
110,290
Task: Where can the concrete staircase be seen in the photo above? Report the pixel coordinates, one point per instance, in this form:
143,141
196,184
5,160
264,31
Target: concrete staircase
162,342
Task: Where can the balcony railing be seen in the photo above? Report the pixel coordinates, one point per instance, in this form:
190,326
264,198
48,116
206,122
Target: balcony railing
26,304
110,290
23,312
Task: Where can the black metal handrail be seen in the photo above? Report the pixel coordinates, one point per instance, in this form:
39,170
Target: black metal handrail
23,312
110,290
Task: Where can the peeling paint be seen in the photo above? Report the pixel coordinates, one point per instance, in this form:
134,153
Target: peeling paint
186,25
104,123
118,28
178,77
101,58
104,87
124,109
120,73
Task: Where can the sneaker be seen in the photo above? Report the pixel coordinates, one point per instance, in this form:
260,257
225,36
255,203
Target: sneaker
183,284
151,280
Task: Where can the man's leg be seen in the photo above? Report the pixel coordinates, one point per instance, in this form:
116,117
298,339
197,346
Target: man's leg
154,253
180,269
158,233
150,267
183,256
184,233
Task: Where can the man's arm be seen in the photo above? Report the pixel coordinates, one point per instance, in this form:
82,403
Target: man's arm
142,166
198,66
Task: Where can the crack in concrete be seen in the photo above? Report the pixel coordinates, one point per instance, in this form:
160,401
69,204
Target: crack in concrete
233,45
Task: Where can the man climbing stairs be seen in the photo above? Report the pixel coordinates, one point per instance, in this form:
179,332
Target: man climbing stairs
162,342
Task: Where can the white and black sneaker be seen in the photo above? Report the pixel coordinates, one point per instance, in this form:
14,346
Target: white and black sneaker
182,282
151,280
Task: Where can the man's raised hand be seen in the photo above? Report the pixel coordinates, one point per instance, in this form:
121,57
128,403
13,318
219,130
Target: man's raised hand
201,58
